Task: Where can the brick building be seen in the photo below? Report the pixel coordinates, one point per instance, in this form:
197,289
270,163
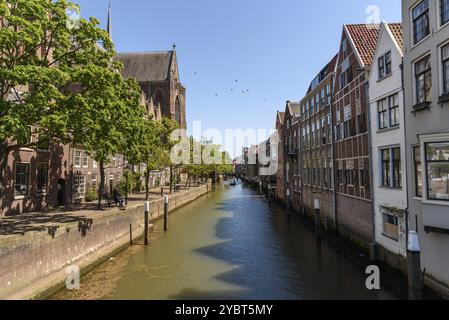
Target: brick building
292,181
316,152
158,76
351,141
280,179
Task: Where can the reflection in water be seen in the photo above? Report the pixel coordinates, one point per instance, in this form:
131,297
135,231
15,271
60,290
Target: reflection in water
227,245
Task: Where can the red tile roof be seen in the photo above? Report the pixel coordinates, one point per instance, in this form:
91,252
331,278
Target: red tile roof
396,29
364,37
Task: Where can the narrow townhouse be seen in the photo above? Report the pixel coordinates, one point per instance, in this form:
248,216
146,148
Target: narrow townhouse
316,151
291,153
351,142
280,178
426,90
388,146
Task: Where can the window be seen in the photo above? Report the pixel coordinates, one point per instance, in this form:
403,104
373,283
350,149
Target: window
420,17
444,10
418,171
388,63
437,162
393,106
381,67
391,175
382,111
312,106
388,112
79,186
386,168
77,161
445,65
384,65
396,162
423,78
85,160
42,178
390,225
22,181
345,78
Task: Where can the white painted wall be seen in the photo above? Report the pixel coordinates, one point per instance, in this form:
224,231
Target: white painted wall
387,138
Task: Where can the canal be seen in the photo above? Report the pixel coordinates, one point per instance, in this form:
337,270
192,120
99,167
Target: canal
227,245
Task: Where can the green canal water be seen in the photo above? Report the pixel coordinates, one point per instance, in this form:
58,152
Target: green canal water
227,245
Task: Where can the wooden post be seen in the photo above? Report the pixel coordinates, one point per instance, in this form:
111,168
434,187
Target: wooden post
317,217
147,211
165,213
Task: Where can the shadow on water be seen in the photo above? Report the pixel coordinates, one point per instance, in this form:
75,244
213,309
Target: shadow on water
229,245
277,257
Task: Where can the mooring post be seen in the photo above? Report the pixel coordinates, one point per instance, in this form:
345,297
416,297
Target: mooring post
165,213
317,217
147,211
288,202
415,276
269,194
131,234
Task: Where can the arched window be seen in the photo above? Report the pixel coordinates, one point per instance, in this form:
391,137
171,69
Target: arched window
159,99
178,116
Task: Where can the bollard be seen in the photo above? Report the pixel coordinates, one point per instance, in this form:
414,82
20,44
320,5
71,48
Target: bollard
165,213
269,195
162,191
147,211
317,217
131,234
415,276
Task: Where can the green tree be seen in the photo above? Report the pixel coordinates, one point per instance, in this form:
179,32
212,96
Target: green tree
41,55
106,114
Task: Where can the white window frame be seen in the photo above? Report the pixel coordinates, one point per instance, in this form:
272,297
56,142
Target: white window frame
430,138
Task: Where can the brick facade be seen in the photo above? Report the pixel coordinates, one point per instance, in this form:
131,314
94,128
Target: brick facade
316,152
351,138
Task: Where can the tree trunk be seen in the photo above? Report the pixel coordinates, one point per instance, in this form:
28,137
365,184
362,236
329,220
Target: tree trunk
3,164
147,185
102,182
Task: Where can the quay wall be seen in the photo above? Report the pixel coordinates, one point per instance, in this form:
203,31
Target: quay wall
36,262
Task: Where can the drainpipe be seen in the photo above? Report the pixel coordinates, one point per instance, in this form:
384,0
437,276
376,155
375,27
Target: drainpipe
413,250
370,153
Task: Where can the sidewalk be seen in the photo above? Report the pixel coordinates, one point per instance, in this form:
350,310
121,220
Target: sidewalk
43,221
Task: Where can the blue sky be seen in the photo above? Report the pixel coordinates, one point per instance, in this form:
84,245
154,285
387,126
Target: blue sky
274,48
